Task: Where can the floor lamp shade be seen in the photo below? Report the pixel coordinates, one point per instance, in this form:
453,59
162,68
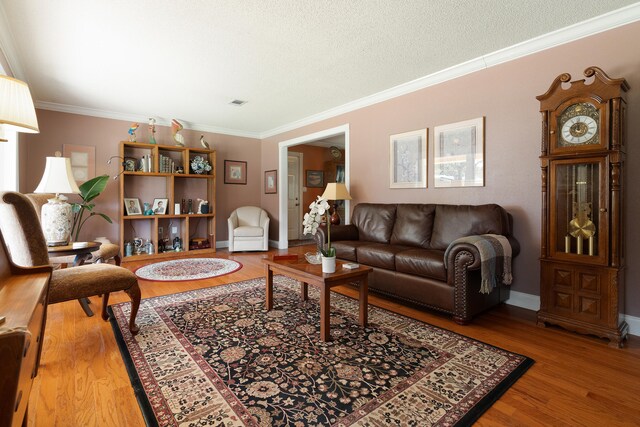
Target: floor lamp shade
56,216
16,106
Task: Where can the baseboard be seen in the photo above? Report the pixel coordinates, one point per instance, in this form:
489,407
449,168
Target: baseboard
520,299
634,324
222,244
532,302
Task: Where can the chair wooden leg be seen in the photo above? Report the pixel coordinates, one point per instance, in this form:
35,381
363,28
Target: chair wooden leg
117,259
105,304
134,294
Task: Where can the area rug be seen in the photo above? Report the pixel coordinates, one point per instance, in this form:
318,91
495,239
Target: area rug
215,356
188,269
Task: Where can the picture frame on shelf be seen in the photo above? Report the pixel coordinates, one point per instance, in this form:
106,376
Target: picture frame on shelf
160,206
314,178
132,206
271,182
235,172
408,159
459,154
83,161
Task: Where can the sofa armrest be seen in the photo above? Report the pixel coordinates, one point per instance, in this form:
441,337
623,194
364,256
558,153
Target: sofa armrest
338,232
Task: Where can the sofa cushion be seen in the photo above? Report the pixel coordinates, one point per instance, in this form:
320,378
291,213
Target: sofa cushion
374,221
379,255
422,262
452,222
346,249
413,226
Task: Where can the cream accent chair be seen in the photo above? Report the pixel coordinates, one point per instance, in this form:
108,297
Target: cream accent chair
248,229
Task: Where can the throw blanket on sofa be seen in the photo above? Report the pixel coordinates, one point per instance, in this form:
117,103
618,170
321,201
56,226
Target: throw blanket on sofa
493,249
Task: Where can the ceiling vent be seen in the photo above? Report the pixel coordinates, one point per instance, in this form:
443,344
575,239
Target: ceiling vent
238,102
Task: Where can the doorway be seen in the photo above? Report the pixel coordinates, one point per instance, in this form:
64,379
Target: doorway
283,176
294,195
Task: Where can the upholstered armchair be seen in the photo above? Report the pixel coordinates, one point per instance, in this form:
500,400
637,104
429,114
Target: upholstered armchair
248,229
27,247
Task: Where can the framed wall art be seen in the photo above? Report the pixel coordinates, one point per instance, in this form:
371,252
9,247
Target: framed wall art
271,182
315,179
459,154
235,172
408,160
132,206
83,161
160,206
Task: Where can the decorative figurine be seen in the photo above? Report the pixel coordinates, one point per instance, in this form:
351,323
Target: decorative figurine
176,127
190,206
177,244
183,207
179,169
202,205
204,143
147,209
152,130
132,132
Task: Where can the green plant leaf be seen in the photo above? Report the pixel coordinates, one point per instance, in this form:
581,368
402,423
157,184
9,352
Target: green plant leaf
92,188
105,217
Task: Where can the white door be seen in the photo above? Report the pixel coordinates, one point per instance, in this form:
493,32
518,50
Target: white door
293,196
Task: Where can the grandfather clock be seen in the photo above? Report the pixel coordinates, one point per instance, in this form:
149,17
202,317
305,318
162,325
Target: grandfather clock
582,161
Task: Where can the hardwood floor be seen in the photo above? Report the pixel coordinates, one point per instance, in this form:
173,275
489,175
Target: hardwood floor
576,380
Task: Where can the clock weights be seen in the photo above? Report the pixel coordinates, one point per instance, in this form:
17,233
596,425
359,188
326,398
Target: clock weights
582,245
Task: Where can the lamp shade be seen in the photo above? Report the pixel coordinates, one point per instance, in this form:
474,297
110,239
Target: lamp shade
16,106
58,177
336,191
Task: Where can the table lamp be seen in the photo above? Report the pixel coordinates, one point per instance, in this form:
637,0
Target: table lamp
57,216
16,106
336,191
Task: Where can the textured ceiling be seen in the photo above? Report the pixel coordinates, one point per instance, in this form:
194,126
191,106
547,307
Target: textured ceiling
290,59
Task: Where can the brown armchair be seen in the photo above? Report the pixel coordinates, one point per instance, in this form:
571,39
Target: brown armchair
28,248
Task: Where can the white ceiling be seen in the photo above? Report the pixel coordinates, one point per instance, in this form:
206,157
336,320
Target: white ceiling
291,60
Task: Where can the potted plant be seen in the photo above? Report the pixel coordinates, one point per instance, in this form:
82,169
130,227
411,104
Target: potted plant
318,213
89,190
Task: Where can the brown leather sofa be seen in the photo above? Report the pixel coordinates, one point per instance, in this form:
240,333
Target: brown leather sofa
405,245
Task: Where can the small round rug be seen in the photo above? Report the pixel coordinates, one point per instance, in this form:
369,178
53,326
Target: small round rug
187,269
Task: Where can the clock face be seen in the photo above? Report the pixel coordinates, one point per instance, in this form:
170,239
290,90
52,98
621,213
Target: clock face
579,129
579,125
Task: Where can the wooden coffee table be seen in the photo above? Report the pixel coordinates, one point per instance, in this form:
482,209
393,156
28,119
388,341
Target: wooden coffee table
299,269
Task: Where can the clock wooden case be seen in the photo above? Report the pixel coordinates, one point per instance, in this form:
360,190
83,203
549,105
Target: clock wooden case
582,245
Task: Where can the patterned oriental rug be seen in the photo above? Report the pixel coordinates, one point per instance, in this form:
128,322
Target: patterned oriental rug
187,269
215,356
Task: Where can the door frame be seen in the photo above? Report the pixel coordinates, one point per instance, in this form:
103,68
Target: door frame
283,242
300,157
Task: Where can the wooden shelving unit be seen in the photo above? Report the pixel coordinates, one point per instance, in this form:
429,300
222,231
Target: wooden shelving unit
146,186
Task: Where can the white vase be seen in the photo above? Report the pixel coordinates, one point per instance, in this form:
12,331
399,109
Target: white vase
56,217
328,264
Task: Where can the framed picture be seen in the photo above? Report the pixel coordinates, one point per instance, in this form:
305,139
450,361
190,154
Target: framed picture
408,160
132,206
459,154
315,179
83,161
160,206
235,172
271,182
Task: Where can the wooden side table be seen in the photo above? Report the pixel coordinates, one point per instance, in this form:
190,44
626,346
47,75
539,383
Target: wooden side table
81,250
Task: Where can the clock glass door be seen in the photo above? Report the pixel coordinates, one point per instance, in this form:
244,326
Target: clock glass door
578,204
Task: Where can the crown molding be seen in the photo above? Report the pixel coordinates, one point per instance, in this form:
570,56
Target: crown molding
598,24
129,117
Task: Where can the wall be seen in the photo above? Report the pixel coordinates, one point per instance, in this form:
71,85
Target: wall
58,128
505,95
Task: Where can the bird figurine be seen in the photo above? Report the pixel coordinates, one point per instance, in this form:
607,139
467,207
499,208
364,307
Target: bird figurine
176,127
152,130
132,132
204,143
